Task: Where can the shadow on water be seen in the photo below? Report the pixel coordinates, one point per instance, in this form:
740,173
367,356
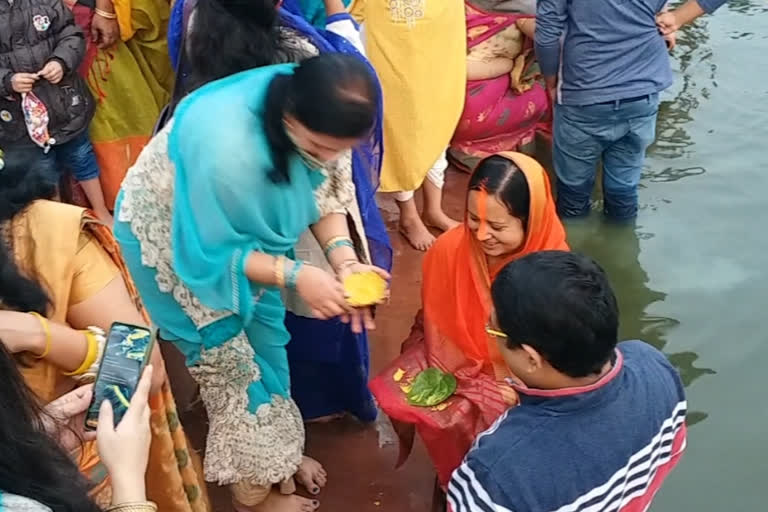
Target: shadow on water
617,249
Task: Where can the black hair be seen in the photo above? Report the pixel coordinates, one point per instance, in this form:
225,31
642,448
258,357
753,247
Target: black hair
32,464
19,187
234,36
561,304
333,94
502,178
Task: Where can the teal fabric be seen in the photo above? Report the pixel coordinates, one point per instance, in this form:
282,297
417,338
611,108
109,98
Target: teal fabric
314,11
224,207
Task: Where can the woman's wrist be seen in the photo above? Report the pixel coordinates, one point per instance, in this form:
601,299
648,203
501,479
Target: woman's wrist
127,488
105,5
36,337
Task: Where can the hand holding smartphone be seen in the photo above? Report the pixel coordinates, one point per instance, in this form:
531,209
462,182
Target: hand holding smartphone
125,356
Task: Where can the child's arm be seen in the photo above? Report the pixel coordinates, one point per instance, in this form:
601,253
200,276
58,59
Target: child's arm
340,22
70,40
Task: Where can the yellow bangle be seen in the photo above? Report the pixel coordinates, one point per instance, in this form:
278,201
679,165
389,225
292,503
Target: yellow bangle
90,356
47,330
106,15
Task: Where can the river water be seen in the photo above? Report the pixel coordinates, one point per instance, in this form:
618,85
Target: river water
692,274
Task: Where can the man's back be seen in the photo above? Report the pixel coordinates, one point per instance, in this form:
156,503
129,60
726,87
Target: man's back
612,48
604,447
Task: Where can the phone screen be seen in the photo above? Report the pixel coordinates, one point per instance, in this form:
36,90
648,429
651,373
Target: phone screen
126,353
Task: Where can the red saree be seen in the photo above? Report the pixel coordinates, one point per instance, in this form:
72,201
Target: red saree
450,334
501,113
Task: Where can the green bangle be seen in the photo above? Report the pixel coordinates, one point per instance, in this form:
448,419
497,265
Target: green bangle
293,275
336,244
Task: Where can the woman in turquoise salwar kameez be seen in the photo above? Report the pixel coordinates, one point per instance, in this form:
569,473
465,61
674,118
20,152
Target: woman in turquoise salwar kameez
207,220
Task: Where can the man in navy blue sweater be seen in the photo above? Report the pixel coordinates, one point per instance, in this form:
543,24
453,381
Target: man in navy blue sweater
599,426
605,62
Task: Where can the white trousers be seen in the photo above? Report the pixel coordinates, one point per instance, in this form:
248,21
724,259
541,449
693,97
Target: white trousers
436,176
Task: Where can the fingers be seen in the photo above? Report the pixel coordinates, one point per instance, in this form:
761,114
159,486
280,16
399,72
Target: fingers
383,273
141,396
106,417
356,322
370,325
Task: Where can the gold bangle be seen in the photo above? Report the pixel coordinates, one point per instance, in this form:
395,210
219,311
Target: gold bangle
335,241
106,15
279,271
139,506
47,330
90,356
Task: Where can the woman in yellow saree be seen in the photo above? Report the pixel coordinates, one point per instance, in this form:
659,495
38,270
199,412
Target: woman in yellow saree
130,75
61,273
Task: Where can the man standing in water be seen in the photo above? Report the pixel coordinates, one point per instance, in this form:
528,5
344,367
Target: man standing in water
600,425
605,63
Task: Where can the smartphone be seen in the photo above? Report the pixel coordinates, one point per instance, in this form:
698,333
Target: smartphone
126,353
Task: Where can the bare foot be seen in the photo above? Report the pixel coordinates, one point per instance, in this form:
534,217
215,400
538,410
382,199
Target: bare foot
416,233
439,220
311,475
277,502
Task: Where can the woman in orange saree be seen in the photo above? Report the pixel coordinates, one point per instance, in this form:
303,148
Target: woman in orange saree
510,213
58,261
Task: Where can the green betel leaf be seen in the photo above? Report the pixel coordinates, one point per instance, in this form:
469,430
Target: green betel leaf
431,387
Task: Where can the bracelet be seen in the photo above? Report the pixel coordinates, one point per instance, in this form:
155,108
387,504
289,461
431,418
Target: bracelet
279,271
47,330
345,264
90,356
106,15
90,374
337,242
293,275
138,506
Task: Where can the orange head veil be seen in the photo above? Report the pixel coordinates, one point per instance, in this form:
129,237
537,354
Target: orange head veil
456,288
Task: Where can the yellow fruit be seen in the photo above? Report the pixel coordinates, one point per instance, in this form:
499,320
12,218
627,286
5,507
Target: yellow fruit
365,289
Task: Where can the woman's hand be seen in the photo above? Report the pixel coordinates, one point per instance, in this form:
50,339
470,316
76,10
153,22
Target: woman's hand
66,418
360,318
322,292
124,449
104,32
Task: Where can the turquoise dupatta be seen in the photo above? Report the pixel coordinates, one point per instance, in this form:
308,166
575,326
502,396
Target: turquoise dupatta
225,205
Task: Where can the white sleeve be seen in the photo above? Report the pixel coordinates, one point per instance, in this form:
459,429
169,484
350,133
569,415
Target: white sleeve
344,25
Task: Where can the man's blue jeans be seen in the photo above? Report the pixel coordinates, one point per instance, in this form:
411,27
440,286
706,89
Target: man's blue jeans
617,133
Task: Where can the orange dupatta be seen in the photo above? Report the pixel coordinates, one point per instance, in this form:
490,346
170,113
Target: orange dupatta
456,308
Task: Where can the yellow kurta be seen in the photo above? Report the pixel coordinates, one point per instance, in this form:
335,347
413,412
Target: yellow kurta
419,50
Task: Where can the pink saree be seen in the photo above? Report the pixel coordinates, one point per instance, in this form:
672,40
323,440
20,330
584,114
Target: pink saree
502,113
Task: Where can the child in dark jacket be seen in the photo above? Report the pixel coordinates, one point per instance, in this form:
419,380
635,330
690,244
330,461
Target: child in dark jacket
45,106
